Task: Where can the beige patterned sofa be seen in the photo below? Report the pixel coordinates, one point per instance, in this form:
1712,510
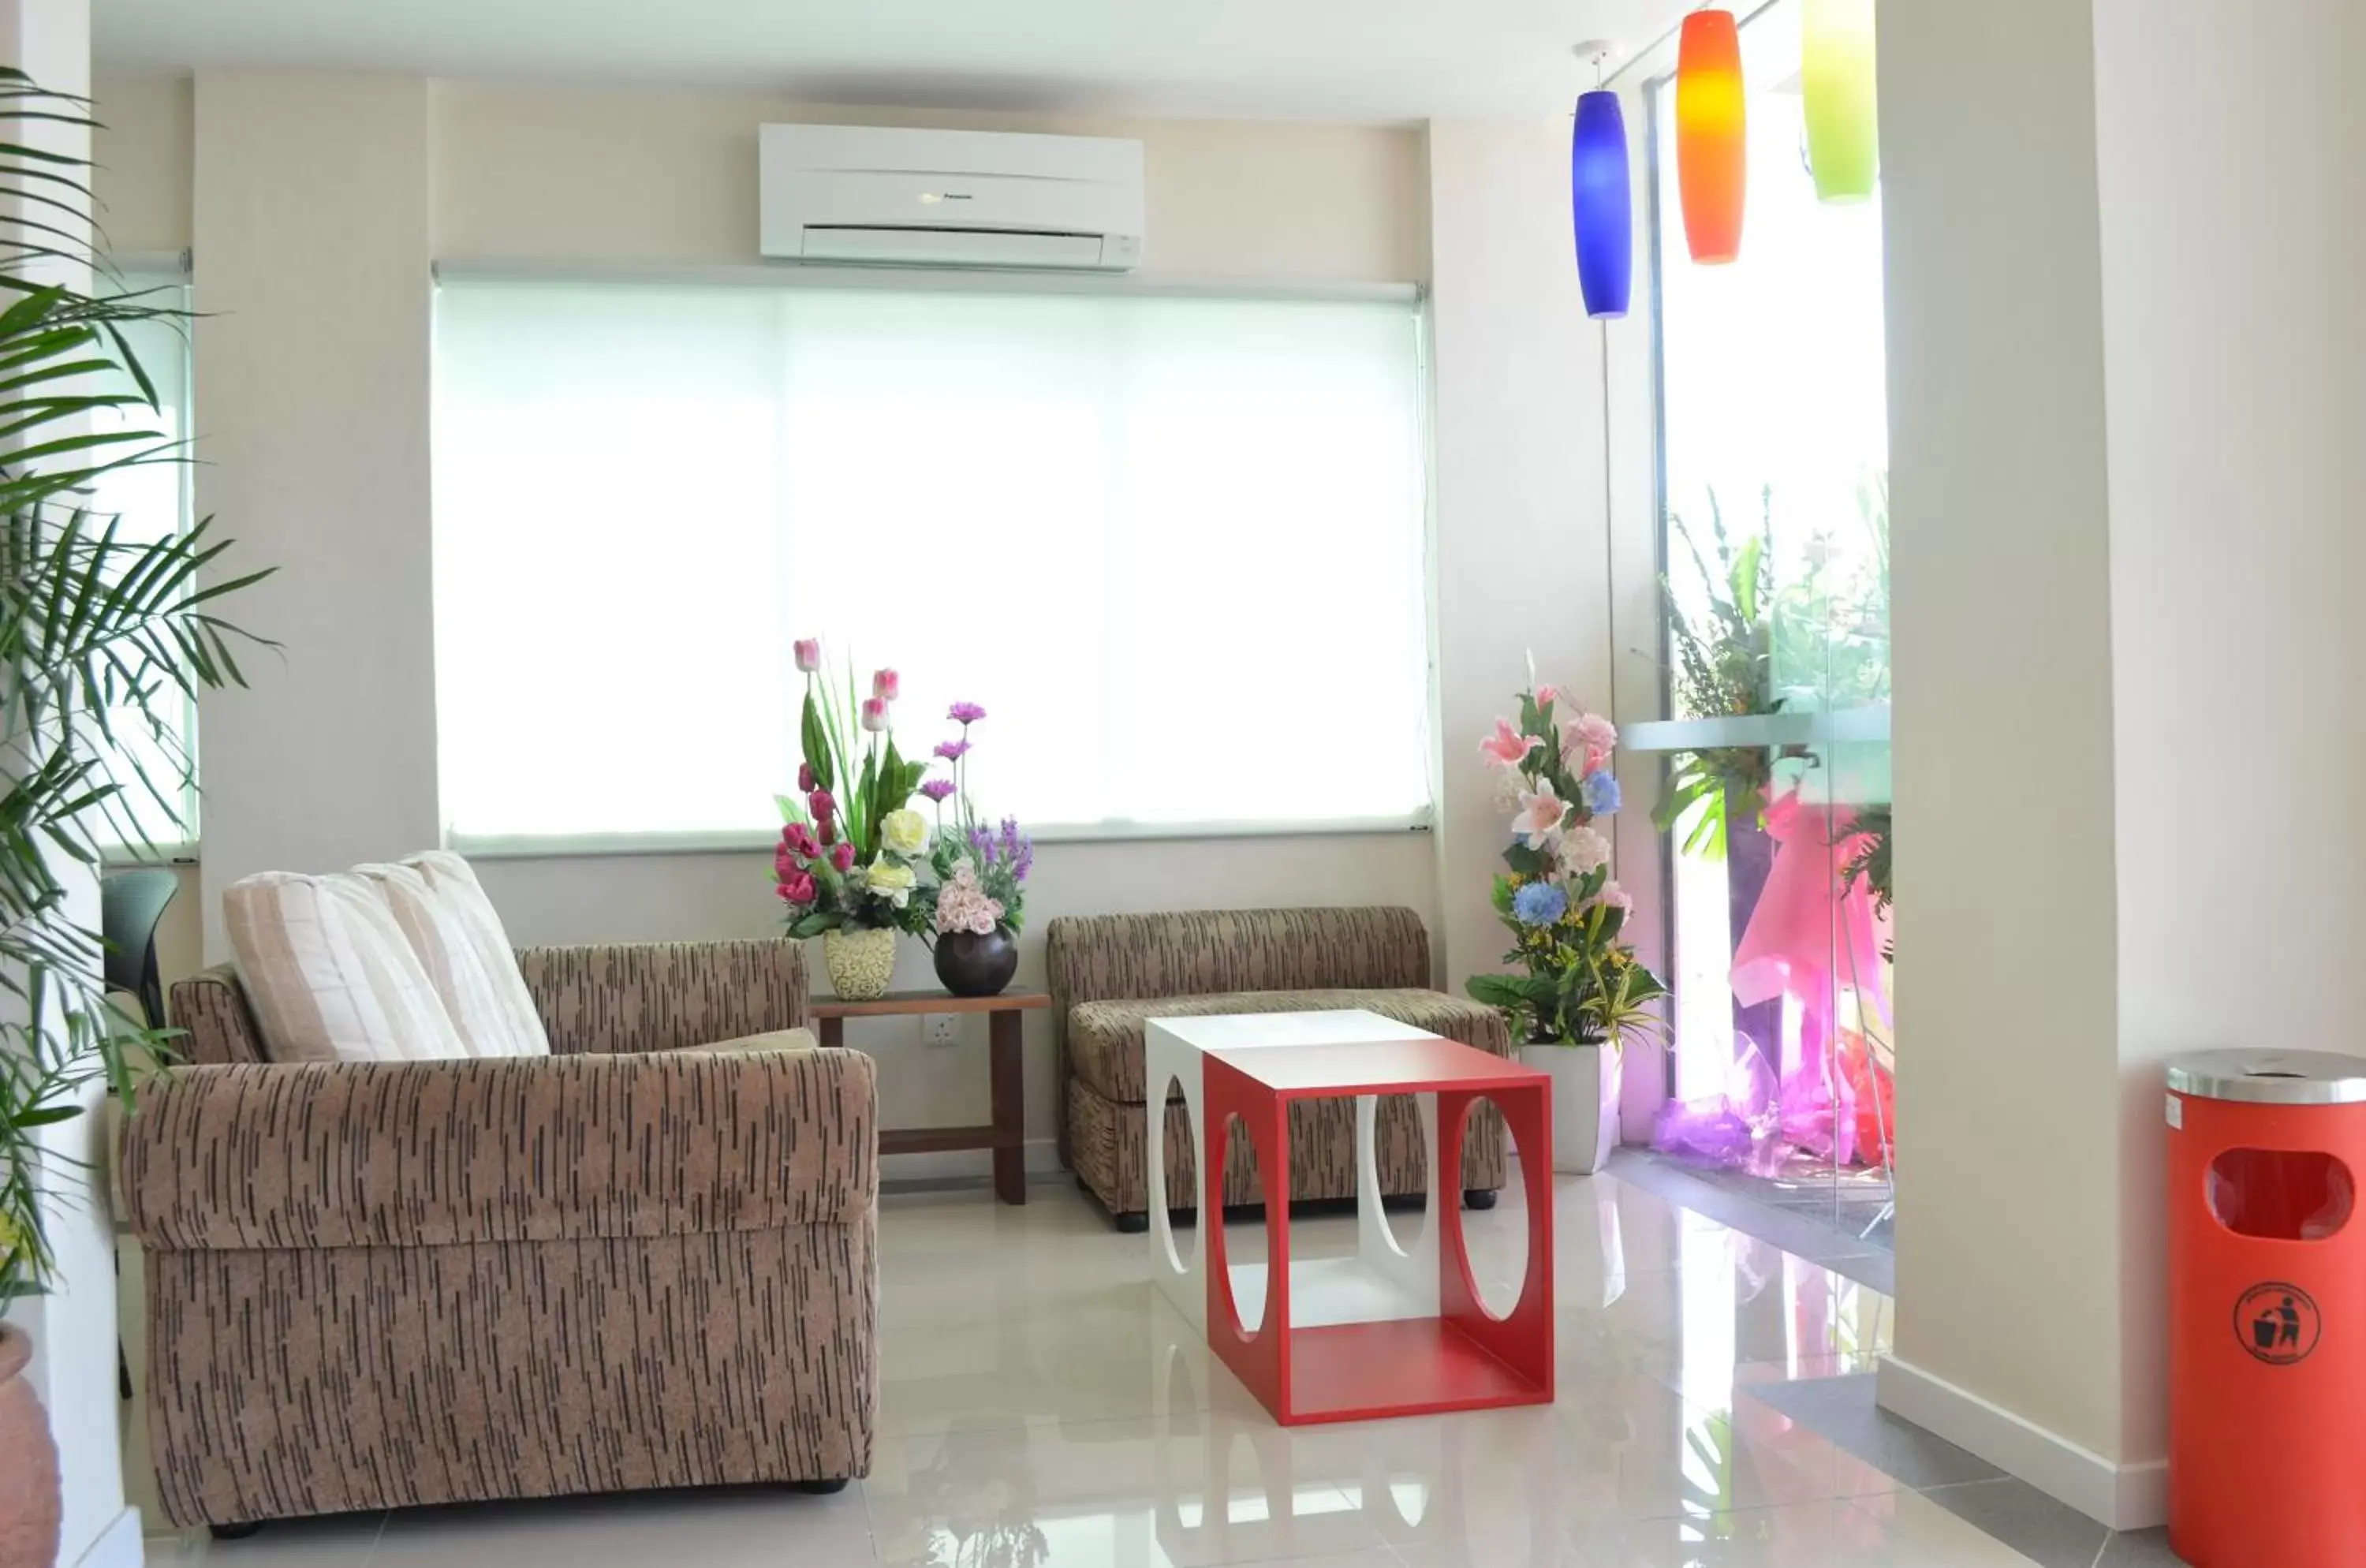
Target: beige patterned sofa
1113,973
628,1264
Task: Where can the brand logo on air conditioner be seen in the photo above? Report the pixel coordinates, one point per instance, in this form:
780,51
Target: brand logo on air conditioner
931,198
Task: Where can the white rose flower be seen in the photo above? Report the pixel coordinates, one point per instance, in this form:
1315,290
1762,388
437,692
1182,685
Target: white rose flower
1583,850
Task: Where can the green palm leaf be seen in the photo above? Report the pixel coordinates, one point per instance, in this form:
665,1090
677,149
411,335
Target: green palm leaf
102,636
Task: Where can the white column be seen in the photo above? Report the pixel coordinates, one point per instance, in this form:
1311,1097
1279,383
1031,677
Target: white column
2011,1302
2124,399
72,1328
1521,521
313,239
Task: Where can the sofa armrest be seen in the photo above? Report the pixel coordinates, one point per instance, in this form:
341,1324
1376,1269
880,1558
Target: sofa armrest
621,998
509,1149
216,1026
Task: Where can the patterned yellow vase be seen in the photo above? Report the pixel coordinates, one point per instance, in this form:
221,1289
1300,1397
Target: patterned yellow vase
860,962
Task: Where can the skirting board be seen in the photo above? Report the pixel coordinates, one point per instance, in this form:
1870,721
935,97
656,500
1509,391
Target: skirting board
953,1165
2123,1496
118,1546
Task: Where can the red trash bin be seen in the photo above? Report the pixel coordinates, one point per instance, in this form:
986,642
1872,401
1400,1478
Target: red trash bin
2266,1310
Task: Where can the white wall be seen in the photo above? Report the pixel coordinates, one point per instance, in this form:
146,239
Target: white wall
310,217
680,897
73,1328
1522,526
145,146
582,174
334,760
2124,393
2229,138
2008,1193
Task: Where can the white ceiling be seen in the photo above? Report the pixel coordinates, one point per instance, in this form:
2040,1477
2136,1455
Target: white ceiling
1350,60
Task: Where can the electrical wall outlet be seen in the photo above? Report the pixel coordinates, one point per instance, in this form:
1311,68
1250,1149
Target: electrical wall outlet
939,1028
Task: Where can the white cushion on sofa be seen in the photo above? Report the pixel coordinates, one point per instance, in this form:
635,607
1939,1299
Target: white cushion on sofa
330,974
458,940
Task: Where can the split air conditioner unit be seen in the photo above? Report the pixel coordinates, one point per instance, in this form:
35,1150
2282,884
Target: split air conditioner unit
843,193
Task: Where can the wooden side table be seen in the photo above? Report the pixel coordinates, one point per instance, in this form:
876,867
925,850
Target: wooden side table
1007,1133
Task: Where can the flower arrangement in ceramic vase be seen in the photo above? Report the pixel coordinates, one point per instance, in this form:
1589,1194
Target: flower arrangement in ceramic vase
847,865
1579,990
976,906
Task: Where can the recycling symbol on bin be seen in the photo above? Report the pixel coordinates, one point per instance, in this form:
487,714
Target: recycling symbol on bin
2277,1323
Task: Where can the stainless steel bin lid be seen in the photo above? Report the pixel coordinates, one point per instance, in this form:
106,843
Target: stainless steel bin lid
2271,1078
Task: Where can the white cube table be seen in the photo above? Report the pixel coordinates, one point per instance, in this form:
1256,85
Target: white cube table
1384,1280
1396,1329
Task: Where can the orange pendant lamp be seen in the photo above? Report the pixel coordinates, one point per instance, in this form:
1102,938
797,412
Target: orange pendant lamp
1712,160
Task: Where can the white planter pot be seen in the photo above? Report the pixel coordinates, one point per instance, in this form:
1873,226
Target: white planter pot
1585,1083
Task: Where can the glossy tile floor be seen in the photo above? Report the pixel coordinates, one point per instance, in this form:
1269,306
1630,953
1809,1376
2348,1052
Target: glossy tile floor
1042,1406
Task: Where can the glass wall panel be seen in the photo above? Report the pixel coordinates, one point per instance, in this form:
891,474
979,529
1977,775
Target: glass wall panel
1775,573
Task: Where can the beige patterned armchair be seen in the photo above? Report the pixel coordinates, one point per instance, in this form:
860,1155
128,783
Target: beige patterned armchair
630,1264
1113,973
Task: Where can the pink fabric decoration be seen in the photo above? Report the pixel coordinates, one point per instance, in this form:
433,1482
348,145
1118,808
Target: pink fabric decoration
1827,1097
1807,934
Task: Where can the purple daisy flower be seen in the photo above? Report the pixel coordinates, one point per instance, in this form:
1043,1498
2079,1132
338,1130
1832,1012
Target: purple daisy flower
965,712
938,789
952,750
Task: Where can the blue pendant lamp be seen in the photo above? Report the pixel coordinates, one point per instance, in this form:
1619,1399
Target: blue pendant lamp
1601,207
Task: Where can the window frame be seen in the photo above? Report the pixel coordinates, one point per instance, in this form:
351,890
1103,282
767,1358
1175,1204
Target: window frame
138,271
1635,454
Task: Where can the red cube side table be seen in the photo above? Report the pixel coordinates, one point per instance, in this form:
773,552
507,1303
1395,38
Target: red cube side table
1464,1358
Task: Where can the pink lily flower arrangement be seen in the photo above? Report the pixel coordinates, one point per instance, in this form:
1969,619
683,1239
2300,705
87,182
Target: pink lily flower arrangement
1579,983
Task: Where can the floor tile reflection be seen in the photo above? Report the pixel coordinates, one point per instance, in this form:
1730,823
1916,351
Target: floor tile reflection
1041,1406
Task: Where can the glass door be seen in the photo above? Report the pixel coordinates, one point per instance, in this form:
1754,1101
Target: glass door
1773,609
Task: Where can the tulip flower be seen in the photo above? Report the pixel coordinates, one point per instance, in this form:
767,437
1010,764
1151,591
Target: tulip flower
798,840
809,652
806,780
823,804
887,685
874,714
842,857
799,888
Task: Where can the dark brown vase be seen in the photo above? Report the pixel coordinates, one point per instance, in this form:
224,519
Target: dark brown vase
29,1477
969,965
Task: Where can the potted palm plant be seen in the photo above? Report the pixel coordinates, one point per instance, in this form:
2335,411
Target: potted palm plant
103,636
1578,991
